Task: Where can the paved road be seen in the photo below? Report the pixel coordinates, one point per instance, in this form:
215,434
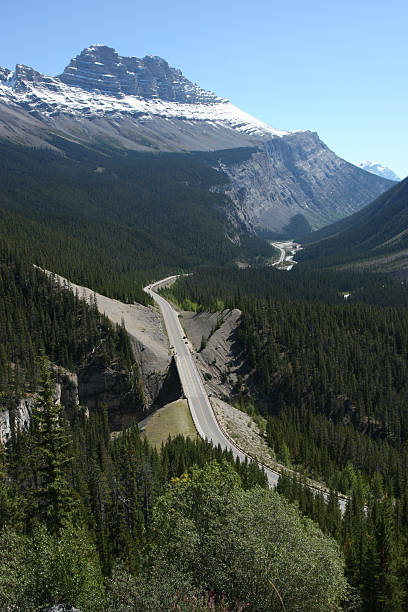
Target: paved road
281,259
200,407
193,387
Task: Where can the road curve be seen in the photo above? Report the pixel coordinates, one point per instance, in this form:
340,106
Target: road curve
191,381
193,387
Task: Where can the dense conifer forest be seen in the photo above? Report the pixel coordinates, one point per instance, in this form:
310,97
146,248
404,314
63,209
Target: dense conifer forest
330,375
377,232
109,522
113,222
39,315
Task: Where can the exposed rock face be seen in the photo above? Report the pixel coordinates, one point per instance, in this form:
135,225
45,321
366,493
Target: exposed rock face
5,74
18,418
100,67
222,360
105,100
299,174
97,385
109,386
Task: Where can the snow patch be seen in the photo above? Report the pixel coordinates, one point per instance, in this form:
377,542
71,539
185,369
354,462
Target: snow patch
50,95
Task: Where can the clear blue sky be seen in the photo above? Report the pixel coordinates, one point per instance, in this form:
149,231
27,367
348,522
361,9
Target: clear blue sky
336,67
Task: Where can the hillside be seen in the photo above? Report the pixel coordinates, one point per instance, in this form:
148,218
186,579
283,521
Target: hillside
376,237
330,376
108,102
113,222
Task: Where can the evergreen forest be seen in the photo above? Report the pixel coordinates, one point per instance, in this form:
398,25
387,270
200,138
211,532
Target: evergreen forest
111,523
112,221
330,375
106,521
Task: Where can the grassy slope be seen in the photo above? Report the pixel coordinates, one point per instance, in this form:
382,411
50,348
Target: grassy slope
171,420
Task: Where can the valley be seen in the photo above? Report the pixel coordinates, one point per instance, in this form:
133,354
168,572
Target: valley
230,436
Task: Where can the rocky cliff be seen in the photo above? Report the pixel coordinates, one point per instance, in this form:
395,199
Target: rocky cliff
100,67
97,385
112,102
17,418
299,174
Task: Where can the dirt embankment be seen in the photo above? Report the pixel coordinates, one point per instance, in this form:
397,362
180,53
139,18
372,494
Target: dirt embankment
221,360
146,332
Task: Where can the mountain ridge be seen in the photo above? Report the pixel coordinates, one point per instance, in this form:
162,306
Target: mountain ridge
376,237
107,102
101,67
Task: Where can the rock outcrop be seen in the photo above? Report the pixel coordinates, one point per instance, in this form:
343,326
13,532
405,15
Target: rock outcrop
222,360
299,175
100,67
97,385
17,418
100,386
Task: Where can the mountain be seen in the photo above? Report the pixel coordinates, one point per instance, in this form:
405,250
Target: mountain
379,170
375,237
125,102
113,103
297,175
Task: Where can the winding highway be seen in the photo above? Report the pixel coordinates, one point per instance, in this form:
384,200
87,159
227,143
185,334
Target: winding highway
193,387
191,381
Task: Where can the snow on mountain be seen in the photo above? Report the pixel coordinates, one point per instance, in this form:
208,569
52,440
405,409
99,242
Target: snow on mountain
379,170
106,101
100,83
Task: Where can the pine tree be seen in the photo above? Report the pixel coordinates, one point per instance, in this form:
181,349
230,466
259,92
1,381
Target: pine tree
52,492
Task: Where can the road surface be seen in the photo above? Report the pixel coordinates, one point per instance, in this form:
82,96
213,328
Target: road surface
191,381
193,387
282,254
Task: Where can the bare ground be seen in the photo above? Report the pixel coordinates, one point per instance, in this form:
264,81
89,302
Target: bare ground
241,428
146,332
221,361
171,420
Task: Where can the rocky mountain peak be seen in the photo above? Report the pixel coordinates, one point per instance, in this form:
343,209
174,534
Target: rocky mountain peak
25,77
99,67
379,169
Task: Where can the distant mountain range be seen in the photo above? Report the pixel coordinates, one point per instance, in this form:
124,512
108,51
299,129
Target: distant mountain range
379,170
112,104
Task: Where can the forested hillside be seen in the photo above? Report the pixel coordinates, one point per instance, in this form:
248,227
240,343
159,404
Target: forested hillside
376,236
38,315
114,222
330,375
111,523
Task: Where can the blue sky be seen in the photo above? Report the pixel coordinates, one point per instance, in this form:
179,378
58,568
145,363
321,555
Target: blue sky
338,68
